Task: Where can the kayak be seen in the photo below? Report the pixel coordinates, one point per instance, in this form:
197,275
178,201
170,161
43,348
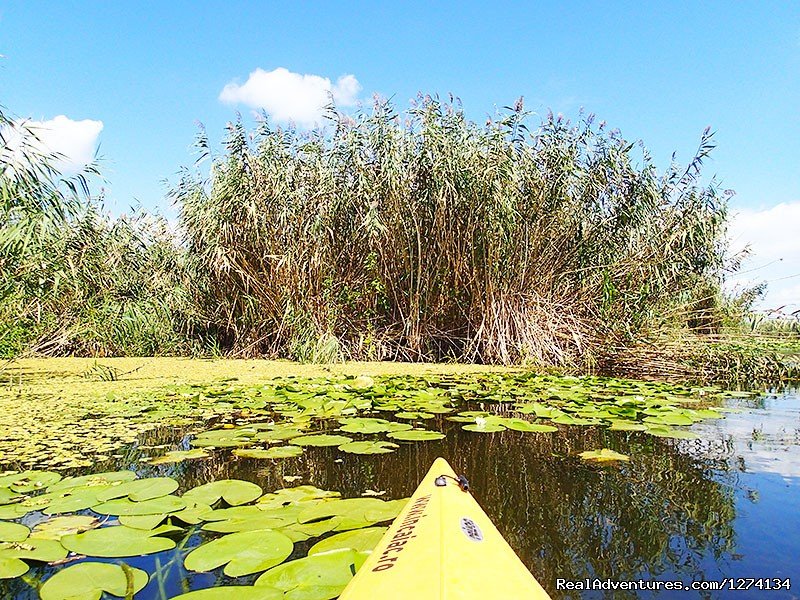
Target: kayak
442,546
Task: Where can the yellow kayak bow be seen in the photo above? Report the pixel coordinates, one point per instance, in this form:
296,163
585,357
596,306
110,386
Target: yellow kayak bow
442,546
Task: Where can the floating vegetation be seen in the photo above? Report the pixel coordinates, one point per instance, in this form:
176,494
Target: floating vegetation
253,532
603,455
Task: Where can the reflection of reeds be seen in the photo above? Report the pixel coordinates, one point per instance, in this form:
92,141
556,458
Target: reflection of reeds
435,237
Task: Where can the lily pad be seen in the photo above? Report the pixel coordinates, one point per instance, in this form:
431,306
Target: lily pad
269,453
29,481
603,455
416,435
239,592
627,426
484,427
12,567
369,425
241,553
156,506
140,489
119,541
13,532
177,456
523,425
88,581
232,491
58,527
414,415
33,549
366,447
97,480
317,577
361,540
321,440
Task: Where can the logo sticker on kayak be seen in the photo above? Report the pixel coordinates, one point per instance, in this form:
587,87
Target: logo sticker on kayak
471,529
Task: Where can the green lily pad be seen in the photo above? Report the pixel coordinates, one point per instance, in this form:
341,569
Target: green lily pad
627,426
140,489
414,415
156,506
258,521
12,567
71,500
224,438
361,540
33,549
29,481
177,456
13,532
299,495
241,553
484,427
523,425
58,527
88,581
416,435
239,592
321,440
232,491
667,432
366,447
279,434
317,577
603,455
386,511
97,480
369,425
146,522
119,541
269,453
8,497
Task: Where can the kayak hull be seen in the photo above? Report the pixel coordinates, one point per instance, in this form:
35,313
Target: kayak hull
442,546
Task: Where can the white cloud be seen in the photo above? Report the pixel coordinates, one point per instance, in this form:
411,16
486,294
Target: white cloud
774,237
75,141
288,96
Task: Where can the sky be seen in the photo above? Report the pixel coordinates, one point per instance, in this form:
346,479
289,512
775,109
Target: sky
131,81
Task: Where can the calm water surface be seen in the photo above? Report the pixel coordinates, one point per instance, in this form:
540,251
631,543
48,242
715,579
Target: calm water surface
725,505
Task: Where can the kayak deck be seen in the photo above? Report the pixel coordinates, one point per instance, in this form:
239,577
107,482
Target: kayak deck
442,546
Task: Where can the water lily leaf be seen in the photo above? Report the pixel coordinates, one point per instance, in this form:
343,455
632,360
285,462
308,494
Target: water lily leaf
484,427
239,592
156,506
8,497
13,532
232,491
97,480
29,481
370,425
71,500
177,456
416,435
242,553
140,489
119,541
386,511
300,532
523,425
300,494
88,581
667,432
603,455
414,415
321,440
58,527
269,453
224,438
670,419
317,577
367,447
352,513
279,434
250,522
33,549
146,522
627,426
12,567
361,540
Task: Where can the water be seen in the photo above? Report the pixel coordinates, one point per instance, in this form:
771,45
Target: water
724,506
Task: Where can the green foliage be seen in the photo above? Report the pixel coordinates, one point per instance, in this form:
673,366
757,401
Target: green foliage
427,236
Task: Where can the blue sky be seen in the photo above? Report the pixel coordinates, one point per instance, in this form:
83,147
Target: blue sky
138,76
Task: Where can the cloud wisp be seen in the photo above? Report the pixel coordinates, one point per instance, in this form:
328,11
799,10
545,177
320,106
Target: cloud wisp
288,96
